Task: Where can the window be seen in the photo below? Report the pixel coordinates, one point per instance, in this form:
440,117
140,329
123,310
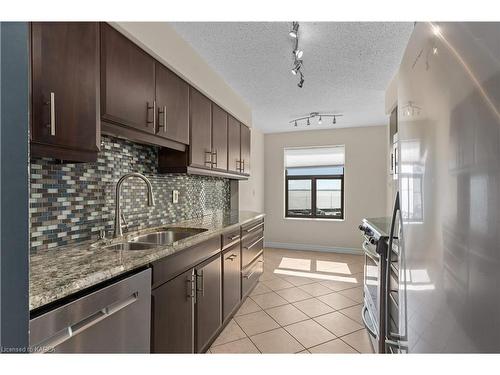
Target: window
314,182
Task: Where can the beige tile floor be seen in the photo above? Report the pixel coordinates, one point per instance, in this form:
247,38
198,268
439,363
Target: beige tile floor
305,302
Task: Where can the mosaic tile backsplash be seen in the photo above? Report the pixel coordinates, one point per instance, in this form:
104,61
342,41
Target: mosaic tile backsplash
71,203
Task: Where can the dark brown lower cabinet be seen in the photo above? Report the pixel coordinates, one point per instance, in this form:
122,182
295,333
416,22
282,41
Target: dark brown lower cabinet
208,314
231,279
172,323
250,275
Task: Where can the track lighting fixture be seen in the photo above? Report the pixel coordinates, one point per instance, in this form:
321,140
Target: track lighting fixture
297,54
294,32
320,117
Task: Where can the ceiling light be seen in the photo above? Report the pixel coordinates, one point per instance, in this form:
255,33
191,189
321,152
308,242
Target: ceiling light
296,67
307,118
295,30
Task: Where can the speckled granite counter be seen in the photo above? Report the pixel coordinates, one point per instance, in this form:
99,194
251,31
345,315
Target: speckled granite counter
59,272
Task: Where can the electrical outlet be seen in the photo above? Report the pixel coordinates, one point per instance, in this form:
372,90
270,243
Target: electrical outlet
175,196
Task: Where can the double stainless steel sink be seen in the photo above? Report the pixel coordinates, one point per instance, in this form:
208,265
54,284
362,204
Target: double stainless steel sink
162,237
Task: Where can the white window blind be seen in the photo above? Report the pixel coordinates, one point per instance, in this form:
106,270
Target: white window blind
314,156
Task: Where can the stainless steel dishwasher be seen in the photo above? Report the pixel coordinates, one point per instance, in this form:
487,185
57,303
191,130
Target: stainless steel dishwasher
114,319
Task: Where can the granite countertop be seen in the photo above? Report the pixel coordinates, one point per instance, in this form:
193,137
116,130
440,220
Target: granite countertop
61,271
381,224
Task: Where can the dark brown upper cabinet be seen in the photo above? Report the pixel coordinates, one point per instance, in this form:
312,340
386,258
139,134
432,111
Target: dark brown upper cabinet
172,100
219,138
233,145
65,121
245,150
201,130
127,82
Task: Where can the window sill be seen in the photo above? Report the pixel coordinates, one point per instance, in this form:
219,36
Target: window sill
312,219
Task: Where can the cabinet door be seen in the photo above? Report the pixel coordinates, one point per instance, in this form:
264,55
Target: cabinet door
219,137
231,279
65,86
127,82
245,149
200,130
172,321
172,100
233,144
208,301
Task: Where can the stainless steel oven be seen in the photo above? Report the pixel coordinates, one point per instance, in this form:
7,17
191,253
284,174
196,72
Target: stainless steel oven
374,248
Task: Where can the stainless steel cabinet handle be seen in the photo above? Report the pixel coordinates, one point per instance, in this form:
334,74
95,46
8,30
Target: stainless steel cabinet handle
164,113
52,103
232,238
214,162
202,284
243,168
253,243
254,227
209,161
191,287
153,107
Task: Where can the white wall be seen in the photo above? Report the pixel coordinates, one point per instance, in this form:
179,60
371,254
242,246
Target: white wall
251,192
162,42
365,188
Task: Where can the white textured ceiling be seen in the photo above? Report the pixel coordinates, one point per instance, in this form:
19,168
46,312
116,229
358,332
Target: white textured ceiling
347,67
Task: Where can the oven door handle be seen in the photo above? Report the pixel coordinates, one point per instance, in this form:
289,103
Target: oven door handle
368,327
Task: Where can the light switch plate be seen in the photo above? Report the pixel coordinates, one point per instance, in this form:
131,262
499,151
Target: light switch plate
175,196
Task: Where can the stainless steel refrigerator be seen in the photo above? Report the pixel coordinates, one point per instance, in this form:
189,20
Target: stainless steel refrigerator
446,234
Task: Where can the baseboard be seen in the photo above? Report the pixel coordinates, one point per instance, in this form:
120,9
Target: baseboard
304,247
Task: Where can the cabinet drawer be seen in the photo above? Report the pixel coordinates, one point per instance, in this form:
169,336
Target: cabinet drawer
251,247
250,275
231,283
171,266
252,227
230,237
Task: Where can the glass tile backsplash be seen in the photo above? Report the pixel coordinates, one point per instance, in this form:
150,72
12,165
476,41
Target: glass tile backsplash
72,202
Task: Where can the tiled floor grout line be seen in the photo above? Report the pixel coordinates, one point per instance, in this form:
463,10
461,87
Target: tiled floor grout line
307,317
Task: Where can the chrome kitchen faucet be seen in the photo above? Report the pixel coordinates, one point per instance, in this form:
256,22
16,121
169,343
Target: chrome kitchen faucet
118,214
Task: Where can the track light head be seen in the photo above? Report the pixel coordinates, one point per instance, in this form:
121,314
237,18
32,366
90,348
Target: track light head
296,67
298,53
320,120
295,30
308,122
334,120
300,84
295,123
